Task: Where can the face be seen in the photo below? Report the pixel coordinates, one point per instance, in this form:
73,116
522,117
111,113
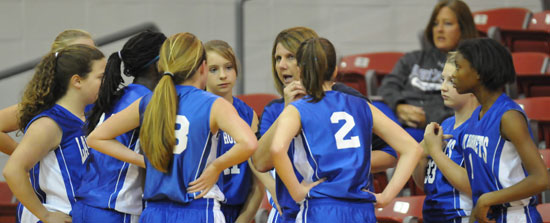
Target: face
466,78
451,98
90,85
221,74
286,65
446,30
83,40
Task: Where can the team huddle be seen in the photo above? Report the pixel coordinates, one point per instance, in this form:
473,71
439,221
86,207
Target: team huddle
175,145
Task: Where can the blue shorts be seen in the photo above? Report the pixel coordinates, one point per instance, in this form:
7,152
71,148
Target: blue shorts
274,216
231,212
202,210
336,210
83,213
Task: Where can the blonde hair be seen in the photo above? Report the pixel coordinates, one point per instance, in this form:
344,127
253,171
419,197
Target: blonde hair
223,49
67,37
181,55
290,39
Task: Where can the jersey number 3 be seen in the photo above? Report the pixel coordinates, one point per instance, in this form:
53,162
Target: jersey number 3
182,129
341,143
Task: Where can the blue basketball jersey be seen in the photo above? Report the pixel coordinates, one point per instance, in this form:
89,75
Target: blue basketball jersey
443,202
58,175
491,161
340,153
111,183
195,149
235,182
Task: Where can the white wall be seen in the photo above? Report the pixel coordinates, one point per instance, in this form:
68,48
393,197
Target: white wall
29,26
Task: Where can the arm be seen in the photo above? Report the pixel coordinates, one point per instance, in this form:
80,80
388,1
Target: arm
287,126
224,116
47,134
256,194
103,138
419,172
380,161
513,127
405,145
8,123
268,181
261,159
395,82
253,201
455,174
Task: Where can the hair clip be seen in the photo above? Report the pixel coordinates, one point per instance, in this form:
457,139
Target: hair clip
119,55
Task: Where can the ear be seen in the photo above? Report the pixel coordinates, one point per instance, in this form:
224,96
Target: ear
76,81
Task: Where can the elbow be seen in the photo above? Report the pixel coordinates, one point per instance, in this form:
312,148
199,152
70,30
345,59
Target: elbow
8,172
91,141
262,167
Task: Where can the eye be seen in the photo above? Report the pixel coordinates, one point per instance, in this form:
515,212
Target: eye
229,67
291,57
278,58
213,69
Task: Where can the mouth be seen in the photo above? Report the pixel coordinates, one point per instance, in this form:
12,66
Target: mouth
440,38
287,78
223,85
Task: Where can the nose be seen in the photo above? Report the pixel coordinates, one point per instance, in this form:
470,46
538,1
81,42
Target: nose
223,75
283,64
444,87
439,27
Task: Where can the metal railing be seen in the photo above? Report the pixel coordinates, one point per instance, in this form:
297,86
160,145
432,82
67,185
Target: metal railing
119,35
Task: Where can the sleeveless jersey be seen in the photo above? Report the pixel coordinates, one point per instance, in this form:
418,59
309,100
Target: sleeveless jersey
58,175
443,202
195,149
111,183
491,161
235,182
341,151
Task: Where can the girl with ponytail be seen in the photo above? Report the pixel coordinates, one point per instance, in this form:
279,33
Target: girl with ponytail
177,124
332,145
111,190
53,148
8,116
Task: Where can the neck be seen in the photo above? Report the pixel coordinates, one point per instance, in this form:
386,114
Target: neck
147,82
486,98
463,113
148,78
228,96
73,104
327,85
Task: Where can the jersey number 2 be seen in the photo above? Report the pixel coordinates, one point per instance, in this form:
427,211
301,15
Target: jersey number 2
341,143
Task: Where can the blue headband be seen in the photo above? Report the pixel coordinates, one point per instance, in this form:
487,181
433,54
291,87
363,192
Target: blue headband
150,62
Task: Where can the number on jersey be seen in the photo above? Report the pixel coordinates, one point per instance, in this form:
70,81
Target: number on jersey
430,172
232,170
341,143
182,129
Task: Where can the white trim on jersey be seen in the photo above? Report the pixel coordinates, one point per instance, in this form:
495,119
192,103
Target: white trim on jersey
52,184
511,171
132,189
300,160
215,192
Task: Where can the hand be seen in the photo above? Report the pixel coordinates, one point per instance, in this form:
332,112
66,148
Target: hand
57,217
480,211
205,182
410,115
381,200
293,91
433,137
304,189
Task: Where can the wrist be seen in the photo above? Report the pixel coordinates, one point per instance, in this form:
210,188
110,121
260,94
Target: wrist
485,200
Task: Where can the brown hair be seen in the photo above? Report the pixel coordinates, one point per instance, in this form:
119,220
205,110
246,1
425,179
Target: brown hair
317,61
290,39
51,79
66,37
463,16
223,49
181,55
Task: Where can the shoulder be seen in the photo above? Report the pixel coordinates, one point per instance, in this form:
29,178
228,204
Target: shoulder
341,87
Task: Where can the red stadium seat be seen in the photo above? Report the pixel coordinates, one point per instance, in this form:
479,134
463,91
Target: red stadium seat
8,205
536,38
532,74
544,210
536,109
540,21
257,101
364,71
401,209
504,18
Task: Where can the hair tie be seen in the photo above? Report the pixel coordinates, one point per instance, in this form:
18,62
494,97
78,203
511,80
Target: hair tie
169,74
56,53
119,55
150,62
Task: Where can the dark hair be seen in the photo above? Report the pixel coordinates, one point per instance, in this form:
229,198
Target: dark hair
463,16
491,60
51,79
138,54
317,61
290,39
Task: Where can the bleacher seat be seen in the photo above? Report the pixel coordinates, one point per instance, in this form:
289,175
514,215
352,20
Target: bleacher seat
536,38
401,209
544,210
504,18
532,77
364,72
8,205
257,101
